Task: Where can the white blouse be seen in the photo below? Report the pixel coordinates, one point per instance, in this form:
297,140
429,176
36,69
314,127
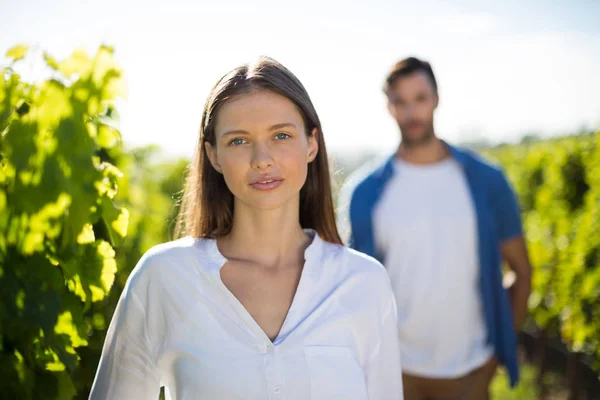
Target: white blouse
177,325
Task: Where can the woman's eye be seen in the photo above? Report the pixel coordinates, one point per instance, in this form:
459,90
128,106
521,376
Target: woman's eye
236,142
282,136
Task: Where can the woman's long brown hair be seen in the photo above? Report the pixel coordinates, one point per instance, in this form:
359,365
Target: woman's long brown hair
207,204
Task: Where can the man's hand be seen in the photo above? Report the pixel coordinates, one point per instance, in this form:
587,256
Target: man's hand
514,252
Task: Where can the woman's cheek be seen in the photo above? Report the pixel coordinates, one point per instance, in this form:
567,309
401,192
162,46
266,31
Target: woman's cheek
292,156
234,167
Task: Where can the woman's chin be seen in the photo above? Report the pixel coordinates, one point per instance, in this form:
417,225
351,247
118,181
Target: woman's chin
269,202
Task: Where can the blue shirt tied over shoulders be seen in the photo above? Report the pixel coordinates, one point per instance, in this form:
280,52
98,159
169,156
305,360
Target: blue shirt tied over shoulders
498,219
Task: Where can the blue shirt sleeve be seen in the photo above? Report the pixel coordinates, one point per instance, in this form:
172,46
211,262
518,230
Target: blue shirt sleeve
508,211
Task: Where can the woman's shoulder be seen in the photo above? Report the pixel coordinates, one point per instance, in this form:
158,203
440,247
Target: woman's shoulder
170,259
357,263
175,248
366,277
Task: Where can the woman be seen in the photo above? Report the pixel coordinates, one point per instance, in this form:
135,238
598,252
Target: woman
259,299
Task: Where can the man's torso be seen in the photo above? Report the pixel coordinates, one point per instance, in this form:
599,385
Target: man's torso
425,227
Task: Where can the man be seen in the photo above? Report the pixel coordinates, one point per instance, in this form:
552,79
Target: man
442,220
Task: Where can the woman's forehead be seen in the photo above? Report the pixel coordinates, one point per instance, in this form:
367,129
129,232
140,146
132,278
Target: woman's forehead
261,110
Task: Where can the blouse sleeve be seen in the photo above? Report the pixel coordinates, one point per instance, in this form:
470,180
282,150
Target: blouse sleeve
384,373
127,369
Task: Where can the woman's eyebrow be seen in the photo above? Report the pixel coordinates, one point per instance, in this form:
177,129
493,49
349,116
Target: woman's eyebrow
282,125
272,128
235,132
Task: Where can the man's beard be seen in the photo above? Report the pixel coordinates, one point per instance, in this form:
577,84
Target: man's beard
424,139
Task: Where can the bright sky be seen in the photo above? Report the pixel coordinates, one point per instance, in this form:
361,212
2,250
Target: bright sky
504,68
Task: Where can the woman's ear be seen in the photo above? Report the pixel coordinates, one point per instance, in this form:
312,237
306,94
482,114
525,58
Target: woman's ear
211,153
313,145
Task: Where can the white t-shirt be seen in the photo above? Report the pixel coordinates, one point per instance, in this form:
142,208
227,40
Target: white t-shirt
425,226
177,325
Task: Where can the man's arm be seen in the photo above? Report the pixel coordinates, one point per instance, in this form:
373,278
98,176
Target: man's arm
513,248
514,252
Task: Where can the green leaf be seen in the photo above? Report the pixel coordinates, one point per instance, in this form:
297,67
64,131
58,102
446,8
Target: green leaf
66,388
18,52
77,63
107,137
65,325
52,63
116,221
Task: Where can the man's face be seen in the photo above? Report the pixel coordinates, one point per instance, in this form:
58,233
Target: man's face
412,101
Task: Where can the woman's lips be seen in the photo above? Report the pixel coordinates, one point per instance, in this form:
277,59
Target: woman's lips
267,184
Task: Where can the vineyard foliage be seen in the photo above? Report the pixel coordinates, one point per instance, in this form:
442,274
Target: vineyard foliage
59,223
77,212
558,183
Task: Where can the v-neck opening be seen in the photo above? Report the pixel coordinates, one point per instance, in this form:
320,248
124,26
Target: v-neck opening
242,311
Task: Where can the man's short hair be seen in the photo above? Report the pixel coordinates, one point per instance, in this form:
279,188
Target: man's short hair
407,67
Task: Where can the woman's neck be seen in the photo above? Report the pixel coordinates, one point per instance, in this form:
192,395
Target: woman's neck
270,237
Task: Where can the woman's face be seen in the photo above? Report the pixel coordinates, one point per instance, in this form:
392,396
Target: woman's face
262,149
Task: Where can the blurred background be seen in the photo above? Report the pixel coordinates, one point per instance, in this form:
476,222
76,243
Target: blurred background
99,113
